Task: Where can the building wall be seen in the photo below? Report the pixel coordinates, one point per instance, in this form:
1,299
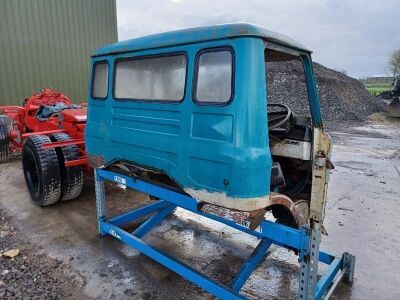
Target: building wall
48,43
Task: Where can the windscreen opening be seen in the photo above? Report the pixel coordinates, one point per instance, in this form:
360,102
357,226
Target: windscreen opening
286,81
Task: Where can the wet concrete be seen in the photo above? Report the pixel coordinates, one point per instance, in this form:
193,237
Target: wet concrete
361,218
362,214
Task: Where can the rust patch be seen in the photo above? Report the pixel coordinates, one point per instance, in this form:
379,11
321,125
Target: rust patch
289,209
250,219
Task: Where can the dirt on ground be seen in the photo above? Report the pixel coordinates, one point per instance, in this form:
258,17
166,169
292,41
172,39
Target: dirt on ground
344,100
26,272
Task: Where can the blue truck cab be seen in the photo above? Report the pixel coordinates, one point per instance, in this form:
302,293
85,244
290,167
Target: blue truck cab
190,109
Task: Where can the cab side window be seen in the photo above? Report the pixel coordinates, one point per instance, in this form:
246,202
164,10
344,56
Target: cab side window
214,80
100,80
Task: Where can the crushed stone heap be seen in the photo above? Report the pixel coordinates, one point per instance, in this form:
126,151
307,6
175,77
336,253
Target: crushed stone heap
344,100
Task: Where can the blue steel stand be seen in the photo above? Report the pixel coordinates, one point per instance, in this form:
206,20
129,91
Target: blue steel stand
306,241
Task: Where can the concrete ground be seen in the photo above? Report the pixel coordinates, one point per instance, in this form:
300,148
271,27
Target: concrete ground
361,218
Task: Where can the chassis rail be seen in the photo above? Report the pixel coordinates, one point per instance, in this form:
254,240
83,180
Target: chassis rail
306,241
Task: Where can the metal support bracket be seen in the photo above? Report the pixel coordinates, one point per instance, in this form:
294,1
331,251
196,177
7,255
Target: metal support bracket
100,200
305,241
349,264
309,258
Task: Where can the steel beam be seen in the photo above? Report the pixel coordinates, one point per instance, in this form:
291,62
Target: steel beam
45,132
100,199
326,281
309,259
76,162
138,212
63,143
153,221
171,263
251,264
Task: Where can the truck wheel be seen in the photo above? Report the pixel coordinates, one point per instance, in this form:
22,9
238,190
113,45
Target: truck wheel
4,142
41,170
71,177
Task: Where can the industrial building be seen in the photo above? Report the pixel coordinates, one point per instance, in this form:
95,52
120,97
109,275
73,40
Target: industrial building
46,43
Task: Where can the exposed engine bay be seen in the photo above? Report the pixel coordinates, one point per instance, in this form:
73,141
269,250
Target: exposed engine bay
290,138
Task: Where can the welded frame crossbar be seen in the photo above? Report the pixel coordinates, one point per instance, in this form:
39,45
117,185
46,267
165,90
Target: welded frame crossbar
43,132
305,241
166,260
63,143
251,264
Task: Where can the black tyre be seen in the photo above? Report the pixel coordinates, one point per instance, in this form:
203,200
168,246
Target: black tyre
4,142
71,177
41,170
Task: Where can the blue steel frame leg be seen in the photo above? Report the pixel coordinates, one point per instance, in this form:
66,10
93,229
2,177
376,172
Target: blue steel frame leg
100,201
309,259
349,262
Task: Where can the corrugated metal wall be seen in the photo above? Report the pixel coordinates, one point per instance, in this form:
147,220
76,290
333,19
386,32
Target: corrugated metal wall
48,43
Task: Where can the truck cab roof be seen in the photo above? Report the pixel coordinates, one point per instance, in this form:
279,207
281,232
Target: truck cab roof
196,35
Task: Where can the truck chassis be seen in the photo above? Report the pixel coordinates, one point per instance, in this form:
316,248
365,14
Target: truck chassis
53,146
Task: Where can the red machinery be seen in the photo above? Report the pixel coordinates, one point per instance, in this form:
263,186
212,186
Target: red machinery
52,144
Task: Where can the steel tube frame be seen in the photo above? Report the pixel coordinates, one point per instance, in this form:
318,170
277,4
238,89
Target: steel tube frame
305,241
63,143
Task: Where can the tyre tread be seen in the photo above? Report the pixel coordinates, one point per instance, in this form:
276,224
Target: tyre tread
49,170
4,142
72,177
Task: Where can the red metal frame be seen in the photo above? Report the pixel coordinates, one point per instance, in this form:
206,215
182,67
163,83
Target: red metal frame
63,144
70,121
44,132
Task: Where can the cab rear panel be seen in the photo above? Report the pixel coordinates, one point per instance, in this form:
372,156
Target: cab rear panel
210,147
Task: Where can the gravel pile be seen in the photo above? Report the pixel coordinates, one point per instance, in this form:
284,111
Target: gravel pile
27,274
344,100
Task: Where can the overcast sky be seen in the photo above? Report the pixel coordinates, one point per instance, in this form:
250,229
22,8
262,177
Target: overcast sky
352,35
